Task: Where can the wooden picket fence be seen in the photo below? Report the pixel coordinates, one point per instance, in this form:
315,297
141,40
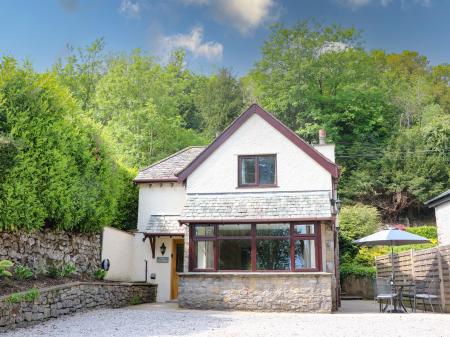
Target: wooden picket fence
424,264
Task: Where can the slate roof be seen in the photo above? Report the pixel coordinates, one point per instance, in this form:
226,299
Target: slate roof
164,224
256,206
440,199
166,169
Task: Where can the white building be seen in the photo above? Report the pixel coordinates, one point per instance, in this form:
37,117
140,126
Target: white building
257,202
441,205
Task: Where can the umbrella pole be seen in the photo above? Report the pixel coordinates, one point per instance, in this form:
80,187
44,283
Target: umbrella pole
392,262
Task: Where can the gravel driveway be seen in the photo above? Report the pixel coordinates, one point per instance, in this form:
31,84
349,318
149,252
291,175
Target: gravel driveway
167,320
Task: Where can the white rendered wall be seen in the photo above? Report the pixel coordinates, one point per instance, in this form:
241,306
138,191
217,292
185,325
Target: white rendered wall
443,223
296,171
159,199
127,254
327,150
118,247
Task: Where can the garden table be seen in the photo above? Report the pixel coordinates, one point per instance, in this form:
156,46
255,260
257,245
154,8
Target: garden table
399,287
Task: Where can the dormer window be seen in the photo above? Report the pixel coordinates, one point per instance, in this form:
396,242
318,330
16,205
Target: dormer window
257,170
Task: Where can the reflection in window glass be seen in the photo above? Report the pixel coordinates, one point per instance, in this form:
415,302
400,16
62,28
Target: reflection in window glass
304,229
204,230
276,229
235,255
305,254
235,230
273,254
205,254
266,170
248,174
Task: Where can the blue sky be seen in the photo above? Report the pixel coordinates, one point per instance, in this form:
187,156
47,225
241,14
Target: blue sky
215,33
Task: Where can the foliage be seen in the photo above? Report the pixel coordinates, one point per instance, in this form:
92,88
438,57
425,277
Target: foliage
356,270
135,300
358,221
4,266
22,272
219,102
63,175
28,296
100,274
61,271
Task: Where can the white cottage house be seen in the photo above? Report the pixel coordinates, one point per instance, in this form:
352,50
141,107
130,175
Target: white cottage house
248,222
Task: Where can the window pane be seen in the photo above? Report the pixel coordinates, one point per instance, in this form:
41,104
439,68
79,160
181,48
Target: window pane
276,229
205,254
235,230
273,255
235,255
304,229
266,170
248,174
305,254
204,230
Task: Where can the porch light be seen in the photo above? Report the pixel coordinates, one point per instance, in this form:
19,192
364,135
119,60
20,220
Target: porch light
163,249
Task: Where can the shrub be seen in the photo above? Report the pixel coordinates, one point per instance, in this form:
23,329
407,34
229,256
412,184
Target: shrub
23,273
61,272
4,266
100,274
135,300
28,296
356,270
358,221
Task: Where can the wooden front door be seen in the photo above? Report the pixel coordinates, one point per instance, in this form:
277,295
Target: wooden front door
177,266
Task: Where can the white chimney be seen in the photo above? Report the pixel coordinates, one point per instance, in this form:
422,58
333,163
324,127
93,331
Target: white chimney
326,149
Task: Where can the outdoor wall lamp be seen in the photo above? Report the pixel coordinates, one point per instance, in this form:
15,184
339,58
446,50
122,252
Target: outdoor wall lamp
163,249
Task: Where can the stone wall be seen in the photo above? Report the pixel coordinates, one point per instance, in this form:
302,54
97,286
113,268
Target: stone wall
268,291
70,298
41,249
358,286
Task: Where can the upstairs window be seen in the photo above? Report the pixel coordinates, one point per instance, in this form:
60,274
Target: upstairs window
257,170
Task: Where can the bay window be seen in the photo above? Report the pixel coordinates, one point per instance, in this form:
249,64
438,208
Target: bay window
255,247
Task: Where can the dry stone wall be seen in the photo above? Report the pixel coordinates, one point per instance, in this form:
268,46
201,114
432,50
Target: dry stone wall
298,292
70,298
41,249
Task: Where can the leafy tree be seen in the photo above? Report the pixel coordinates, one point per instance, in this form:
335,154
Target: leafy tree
219,102
358,220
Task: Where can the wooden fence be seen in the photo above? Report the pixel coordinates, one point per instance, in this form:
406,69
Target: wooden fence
424,264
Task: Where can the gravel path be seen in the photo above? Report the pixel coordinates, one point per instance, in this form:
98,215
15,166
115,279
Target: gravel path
167,320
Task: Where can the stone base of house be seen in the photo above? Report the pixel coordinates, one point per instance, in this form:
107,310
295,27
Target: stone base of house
265,291
70,298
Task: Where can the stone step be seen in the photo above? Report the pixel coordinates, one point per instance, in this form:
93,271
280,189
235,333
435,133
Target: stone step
350,298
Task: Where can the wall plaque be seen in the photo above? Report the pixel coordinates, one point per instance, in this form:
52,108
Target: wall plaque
162,259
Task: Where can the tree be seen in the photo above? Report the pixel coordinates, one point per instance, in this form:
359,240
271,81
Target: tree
358,220
219,101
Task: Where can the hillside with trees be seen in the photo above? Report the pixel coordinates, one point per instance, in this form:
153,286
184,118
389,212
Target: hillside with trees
72,138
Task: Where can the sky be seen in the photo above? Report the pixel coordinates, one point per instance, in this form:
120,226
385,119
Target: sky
214,33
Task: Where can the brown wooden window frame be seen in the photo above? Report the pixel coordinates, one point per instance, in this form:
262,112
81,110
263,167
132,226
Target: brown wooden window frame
292,237
256,165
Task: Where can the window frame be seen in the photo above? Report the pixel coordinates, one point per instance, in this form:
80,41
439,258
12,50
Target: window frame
292,237
256,158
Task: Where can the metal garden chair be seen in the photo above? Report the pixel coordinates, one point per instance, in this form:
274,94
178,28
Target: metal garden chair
385,292
428,291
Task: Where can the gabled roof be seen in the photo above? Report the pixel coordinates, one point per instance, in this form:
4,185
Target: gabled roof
328,165
165,169
440,199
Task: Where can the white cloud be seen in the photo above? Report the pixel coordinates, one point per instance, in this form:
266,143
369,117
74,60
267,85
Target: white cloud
130,9
193,42
244,15
355,4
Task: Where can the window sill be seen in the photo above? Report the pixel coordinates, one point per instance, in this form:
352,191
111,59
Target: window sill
257,274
